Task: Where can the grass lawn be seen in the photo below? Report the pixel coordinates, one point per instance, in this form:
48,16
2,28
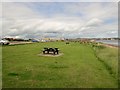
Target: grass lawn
80,66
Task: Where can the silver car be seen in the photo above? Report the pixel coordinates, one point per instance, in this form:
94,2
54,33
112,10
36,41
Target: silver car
4,42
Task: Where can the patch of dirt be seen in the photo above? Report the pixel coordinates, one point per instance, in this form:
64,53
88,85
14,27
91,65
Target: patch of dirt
51,55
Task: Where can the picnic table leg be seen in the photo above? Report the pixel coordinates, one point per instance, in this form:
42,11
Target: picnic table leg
54,53
57,52
43,52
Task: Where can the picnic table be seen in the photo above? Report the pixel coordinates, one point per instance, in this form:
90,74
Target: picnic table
51,51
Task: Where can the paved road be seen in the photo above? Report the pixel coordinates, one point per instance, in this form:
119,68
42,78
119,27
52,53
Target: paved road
13,43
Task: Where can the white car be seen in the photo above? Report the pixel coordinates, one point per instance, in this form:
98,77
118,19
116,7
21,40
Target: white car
4,42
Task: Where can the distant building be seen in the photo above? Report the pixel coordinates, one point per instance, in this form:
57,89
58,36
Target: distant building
51,39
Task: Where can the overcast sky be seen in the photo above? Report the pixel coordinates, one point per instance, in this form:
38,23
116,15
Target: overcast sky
59,19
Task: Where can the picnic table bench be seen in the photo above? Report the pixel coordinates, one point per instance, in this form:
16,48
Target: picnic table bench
51,51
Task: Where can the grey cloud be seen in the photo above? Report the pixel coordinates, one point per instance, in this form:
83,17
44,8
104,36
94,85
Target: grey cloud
23,22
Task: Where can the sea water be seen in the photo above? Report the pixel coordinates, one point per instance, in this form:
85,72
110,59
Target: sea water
112,42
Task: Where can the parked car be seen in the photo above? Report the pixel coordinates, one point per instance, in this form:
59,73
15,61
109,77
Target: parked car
4,42
35,40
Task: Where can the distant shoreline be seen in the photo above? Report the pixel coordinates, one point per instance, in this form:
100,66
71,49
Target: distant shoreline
110,45
109,42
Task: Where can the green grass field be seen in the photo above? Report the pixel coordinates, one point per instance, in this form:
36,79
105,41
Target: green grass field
80,66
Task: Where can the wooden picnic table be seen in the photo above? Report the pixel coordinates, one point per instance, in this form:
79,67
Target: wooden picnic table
51,51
